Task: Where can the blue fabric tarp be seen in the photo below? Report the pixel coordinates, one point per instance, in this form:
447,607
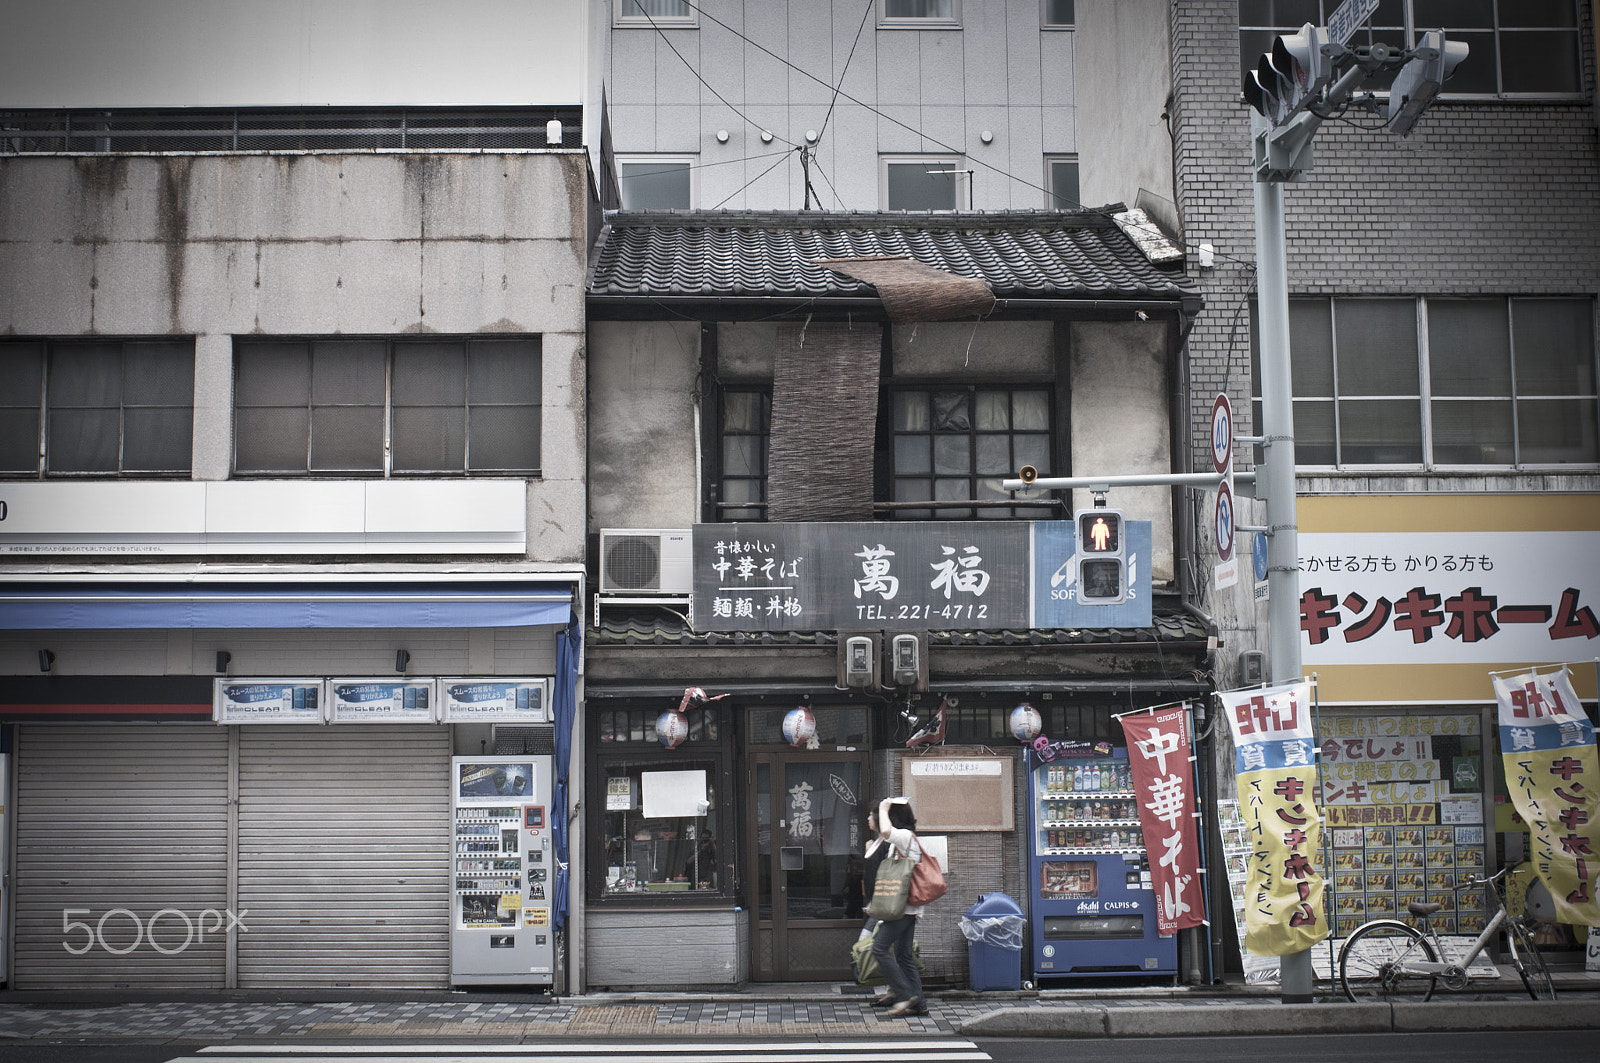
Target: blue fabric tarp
566,710
108,606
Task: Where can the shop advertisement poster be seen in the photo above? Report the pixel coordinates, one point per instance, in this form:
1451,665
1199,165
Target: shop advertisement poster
904,576
1237,850
1161,756
1448,597
1403,801
382,700
1277,785
1553,776
268,701
494,700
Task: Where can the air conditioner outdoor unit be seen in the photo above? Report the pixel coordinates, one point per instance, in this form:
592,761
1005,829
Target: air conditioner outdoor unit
645,561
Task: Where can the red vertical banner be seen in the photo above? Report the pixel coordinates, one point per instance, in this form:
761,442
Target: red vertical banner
1160,755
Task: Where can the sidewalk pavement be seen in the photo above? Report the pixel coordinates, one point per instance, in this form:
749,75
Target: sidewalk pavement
813,1010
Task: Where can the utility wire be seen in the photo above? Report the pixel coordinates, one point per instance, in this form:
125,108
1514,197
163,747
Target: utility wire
756,178
865,14
839,91
707,165
668,42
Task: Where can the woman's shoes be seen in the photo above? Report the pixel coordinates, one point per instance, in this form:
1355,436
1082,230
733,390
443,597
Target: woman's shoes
913,1006
884,1000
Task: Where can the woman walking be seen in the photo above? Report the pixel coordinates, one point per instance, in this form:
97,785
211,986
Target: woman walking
891,942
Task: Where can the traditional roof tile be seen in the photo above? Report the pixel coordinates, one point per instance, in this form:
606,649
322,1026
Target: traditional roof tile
1019,255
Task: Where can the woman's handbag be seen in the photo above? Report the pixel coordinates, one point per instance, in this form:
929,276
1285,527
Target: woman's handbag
927,881
865,965
890,889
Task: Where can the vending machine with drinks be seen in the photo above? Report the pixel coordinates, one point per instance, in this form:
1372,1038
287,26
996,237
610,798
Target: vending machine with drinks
1093,907
503,867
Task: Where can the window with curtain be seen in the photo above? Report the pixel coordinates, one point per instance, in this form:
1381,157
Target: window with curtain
746,425
673,13
387,407
914,12
98,407
955,444
1497,381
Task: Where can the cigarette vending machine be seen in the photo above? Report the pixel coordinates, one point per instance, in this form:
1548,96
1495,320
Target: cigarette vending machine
501,931
1093,907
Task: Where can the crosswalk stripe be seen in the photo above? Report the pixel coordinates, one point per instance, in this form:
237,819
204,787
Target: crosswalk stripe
927,1050
581,1048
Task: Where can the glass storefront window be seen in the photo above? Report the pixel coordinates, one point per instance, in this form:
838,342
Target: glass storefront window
660,820
660,828
835,727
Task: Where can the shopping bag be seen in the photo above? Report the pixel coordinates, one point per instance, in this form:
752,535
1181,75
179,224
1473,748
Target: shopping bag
927,881
892,885
865,964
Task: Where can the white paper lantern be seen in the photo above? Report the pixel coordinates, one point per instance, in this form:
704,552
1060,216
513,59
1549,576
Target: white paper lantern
1026,723
799,726
671,729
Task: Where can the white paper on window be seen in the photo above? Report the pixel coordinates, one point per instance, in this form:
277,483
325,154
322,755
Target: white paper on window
669,794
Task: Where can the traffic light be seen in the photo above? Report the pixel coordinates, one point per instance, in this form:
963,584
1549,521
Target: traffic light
1434,59
1102,557
1289,77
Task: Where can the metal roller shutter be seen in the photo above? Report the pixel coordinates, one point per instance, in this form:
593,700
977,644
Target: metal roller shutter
344,857
118,823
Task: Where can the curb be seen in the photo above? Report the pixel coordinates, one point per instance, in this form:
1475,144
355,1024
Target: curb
1094,1021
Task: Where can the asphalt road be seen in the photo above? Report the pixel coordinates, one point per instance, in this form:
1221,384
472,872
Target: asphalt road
1511,1047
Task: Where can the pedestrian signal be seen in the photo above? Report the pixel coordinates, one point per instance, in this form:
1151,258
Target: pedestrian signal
1102,557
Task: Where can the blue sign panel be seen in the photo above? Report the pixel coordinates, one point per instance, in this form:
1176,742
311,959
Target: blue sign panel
1054,579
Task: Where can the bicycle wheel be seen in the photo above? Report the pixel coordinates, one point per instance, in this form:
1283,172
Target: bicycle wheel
1529,963
1372,963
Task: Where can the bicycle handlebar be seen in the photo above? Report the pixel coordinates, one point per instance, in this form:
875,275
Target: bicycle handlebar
1472,883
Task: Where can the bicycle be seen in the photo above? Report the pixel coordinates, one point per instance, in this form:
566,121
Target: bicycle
1392,960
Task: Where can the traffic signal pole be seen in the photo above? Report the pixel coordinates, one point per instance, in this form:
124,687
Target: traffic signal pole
1275,478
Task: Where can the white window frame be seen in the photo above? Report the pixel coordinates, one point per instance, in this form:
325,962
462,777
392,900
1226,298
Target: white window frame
622,20
1046,24
929,22
691,161
1050,161
932,162
1426,400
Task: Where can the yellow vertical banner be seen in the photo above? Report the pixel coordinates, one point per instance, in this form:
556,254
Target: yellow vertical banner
1553,778
1275,746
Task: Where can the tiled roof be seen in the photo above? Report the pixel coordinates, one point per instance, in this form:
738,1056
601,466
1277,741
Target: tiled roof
660,627
1020,255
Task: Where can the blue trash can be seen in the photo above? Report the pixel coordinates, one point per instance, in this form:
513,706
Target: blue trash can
994,931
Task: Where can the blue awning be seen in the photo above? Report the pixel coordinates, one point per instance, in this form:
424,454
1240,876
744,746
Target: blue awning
114,606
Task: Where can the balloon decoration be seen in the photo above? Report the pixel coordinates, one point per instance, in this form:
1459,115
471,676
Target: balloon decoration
799,726
672,729
1026,723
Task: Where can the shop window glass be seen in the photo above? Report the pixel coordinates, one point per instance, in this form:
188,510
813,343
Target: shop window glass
660,828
